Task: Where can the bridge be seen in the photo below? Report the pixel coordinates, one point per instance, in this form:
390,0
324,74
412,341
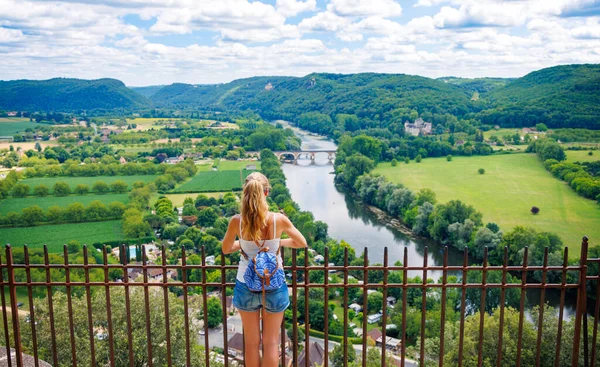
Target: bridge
294,156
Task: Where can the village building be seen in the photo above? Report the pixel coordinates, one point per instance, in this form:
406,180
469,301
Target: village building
419,127
316,355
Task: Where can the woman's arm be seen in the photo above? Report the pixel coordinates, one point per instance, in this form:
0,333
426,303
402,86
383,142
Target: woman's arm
296,239
230,245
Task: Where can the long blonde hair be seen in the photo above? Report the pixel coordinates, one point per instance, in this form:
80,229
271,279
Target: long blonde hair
254,209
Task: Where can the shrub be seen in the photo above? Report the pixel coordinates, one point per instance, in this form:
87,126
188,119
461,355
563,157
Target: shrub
590,153
81,189
481,171
449,158
418,158
535,210
41,190
406,160
20,190
395,162
100,187
61,189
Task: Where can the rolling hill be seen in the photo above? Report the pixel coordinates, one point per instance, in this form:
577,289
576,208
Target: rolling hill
560,96
62,94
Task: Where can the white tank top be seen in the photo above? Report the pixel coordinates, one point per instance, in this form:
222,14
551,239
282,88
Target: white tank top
251,249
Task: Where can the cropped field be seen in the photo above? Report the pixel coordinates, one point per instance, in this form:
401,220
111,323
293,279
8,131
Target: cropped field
583,155
151,123
55,236
74,181
214,181
16,204
27,145
12,125
511,185
225,165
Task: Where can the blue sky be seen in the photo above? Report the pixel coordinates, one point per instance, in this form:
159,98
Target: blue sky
149,42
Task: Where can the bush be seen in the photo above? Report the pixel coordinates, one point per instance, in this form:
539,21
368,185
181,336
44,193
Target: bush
535,210
590,153
41,190
61,189
481,171
418,158
81,189
100,187
449,158
20,190
406,160
395,162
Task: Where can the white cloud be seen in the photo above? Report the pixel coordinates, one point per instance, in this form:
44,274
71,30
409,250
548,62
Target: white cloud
290,8
382,8
323,21
10,35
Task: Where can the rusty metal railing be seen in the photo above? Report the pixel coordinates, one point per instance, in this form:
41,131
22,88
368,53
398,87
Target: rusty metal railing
300,285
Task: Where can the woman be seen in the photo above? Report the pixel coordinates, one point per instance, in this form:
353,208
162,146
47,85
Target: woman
255,227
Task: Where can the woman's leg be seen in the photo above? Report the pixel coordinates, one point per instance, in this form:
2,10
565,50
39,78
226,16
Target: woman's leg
251,324
271,338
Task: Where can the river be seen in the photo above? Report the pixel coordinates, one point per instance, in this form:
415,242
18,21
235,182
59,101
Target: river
312,187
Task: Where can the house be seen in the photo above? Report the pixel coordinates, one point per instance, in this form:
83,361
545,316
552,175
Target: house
210,260
229,307
236,346
390,343
391,301
122,160
374,334
355,307
319,258
12,113
174,160
373,319
316,355
331,270
419,127
251,167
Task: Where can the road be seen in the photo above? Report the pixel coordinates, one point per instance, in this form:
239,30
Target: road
234,324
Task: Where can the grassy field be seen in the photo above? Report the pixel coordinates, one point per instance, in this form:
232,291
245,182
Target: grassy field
583,155
25,146
225,165
16,204
74,181
214,181
178,199
55,236
150,123
511,185
12,125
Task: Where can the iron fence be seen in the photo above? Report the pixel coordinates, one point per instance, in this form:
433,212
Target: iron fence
299,284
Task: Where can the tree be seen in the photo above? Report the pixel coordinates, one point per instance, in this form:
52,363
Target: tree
100,187
119,187
394,162
41,190
215,312
449,158
96,210
116,209
418,158
61,188
20,190
535,210
207,217
481,171
75,212
32,215
81,189
337,355
375,302
541,127
134,226
73,247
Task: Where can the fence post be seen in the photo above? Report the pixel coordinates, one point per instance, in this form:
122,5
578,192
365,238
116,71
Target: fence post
13,306
581,302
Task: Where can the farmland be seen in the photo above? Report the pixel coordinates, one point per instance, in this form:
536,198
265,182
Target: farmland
55,236
511,185
74,181
178,199
582,155
214,181
15,205
13,125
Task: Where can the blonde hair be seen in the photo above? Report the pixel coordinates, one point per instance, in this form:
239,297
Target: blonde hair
254,209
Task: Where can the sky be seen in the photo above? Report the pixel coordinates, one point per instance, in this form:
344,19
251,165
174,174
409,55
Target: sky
157,42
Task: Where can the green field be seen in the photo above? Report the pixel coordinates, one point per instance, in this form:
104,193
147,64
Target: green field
55,236
214,181
12,125
225,165
583,155
511,185
74,181
16,204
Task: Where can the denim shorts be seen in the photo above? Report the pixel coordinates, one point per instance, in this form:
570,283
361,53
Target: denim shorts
277,300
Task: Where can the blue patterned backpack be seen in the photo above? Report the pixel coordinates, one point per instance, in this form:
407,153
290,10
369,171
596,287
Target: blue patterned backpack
263,273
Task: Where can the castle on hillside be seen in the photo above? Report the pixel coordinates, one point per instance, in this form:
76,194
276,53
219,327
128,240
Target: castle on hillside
418,127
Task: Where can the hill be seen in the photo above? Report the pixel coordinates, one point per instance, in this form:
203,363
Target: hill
377,99
561,96
480,85
147,91
63,94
